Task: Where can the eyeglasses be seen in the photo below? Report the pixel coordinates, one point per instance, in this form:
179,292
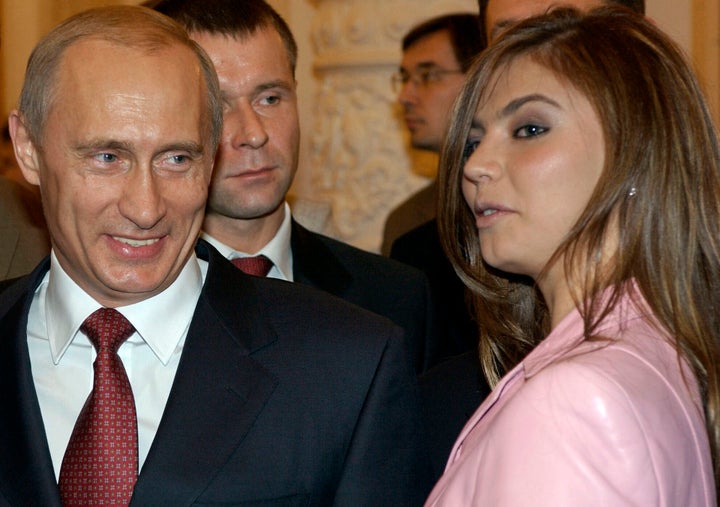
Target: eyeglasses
422,77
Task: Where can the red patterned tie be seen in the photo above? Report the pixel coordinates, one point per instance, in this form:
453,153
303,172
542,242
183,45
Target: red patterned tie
256,266
100,465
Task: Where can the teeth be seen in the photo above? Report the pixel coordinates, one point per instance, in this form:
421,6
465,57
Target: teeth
136,242
489,212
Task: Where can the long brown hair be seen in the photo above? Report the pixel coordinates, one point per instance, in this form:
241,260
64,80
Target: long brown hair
660,187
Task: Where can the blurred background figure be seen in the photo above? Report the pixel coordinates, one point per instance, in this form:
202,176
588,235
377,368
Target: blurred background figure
436,55
23,232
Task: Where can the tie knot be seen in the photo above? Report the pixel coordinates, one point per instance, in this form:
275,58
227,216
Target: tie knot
107,329
257,266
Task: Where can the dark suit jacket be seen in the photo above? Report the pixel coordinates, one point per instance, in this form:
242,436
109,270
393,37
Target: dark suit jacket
451,392
456,328
383,286
24,239
414,211
283,396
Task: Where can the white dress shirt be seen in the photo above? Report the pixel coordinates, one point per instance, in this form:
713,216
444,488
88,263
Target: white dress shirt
62,356
278,249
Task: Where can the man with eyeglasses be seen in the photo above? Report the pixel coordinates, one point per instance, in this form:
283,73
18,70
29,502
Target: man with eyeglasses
436,54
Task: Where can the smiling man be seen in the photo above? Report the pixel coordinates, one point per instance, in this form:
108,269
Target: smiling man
139,366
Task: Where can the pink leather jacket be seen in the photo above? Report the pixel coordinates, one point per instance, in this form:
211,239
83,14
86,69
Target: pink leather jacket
584,423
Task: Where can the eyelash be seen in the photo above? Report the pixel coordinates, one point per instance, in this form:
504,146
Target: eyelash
469,148
530,130
537,130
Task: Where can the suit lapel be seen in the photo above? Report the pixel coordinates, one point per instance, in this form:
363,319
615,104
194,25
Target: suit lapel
26,471
218,392
315,264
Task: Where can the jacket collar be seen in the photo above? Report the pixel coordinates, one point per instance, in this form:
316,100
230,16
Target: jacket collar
26,471
315,264
219,388
218,392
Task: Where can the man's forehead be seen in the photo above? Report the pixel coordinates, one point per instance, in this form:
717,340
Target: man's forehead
501,14
432,50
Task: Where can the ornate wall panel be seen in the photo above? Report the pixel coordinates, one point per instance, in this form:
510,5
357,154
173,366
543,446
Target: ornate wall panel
359,162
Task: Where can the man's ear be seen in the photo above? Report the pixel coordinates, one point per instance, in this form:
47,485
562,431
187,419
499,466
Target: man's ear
26,153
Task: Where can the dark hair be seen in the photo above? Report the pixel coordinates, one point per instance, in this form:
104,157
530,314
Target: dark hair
466,39
661,148
124,25
229,17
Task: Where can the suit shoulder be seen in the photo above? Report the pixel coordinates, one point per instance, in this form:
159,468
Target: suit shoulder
423,232
320,308
355,259
14,289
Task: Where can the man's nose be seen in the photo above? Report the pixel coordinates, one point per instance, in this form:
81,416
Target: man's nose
245,128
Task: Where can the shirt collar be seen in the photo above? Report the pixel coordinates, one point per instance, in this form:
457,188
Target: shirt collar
278,249
67,306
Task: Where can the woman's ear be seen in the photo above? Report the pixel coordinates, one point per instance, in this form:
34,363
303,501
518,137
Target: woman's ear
26,152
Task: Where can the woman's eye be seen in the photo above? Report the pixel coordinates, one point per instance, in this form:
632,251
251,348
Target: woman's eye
529,131
470,147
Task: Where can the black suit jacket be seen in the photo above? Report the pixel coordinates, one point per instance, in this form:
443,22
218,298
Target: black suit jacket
383,286
458,330
283,396
451,392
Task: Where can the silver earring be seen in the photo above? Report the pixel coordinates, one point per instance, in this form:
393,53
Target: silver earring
632,192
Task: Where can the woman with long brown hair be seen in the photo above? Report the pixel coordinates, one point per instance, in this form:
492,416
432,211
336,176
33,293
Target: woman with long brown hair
580,203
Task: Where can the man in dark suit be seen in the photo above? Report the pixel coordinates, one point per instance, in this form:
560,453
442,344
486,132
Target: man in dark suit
255,54
226,388
436,54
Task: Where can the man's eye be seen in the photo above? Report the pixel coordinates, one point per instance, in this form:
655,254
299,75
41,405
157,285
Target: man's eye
530,131
271,100
106,158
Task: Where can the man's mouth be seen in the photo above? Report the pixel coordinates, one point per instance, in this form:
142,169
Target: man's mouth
136,242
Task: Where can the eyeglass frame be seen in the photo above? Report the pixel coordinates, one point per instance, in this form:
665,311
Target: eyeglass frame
423,76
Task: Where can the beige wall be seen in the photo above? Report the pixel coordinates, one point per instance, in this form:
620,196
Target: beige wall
693,23
22,23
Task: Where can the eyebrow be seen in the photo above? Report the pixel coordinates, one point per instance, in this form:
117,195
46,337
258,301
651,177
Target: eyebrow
282,84
103,144
519,102
516,104
112,144
277,83
424,65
